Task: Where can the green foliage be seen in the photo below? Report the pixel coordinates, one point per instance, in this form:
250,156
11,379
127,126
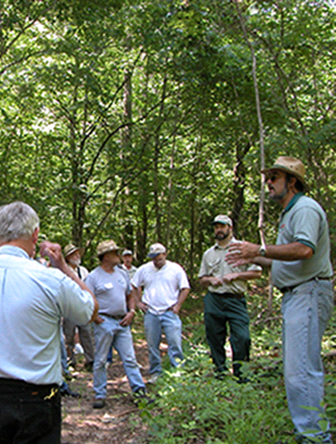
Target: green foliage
136,120
193,406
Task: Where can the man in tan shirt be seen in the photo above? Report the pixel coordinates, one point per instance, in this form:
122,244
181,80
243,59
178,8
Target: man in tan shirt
225,301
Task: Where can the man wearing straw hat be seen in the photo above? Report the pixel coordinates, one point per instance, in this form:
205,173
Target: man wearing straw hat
72,255
302,271
111,286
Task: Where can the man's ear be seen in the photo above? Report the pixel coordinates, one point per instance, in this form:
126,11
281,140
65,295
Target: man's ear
35,235
291,183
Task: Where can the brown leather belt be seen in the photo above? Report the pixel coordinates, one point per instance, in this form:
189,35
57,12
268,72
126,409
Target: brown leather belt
117,318
317,278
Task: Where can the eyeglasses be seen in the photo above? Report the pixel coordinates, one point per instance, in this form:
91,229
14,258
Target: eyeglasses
272,177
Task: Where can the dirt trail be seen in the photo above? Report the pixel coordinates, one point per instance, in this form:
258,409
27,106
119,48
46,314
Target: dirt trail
119,422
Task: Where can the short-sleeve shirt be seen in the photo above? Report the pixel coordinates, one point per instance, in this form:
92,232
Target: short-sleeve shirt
303,220
214,264
110,290
131,271
161,286
33,299
82,272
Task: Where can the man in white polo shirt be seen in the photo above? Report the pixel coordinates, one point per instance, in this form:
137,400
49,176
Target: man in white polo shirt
165,288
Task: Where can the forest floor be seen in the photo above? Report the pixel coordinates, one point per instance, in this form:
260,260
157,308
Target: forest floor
119,421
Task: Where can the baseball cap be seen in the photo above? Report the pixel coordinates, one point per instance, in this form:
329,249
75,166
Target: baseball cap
222,219
156,249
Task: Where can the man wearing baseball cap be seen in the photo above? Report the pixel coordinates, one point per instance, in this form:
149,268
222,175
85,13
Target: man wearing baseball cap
225,301
302,271
165,285
127,258
111,286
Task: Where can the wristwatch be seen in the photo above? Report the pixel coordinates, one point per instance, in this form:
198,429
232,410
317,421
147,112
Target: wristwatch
262,251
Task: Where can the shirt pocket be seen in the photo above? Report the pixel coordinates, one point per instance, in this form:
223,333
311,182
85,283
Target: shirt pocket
214,267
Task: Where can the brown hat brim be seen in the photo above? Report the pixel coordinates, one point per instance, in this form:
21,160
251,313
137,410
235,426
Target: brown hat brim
108,250
73,250
267,172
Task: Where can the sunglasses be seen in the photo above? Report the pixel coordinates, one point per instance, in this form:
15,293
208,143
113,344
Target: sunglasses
272,177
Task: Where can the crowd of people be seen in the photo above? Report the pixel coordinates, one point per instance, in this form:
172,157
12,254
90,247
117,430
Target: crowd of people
54,305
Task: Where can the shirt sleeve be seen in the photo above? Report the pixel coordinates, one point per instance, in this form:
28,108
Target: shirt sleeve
137,278
128,283
90,283
75,304
203,268
183,279
305,226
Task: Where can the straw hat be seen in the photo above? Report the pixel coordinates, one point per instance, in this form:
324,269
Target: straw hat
107,246
71,248
289,165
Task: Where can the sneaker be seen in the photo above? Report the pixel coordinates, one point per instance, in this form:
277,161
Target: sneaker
99,403
318,439
154,377
66,391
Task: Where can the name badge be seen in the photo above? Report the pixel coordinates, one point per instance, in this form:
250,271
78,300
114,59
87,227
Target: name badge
109,285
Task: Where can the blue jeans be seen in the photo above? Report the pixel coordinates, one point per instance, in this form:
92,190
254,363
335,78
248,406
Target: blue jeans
171,325
108,333
306,310
64,357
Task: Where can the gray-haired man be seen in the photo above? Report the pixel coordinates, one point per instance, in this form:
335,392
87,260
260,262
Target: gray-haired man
33,300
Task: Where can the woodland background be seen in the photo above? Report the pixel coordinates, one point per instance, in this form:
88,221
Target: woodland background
137,120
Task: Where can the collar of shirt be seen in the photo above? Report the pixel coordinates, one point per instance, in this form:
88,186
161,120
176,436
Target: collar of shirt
291,203
218,247
13,251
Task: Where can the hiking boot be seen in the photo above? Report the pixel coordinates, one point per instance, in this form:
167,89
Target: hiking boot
66,391
99,403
